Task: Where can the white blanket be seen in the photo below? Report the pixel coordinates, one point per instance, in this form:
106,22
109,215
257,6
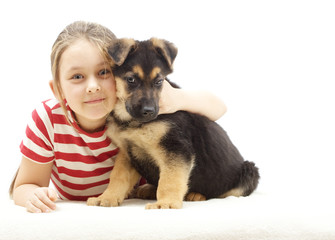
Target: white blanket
259,216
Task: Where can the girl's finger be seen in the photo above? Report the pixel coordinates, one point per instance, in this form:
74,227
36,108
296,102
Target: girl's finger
44,202
32,208
52,194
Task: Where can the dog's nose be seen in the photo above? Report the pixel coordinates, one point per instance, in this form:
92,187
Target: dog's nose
148,111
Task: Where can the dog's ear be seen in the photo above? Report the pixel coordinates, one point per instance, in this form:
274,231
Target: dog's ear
165,48
119,50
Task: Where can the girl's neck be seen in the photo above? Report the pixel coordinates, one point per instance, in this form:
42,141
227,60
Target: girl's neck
89,125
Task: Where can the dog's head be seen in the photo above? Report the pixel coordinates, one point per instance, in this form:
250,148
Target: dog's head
140,68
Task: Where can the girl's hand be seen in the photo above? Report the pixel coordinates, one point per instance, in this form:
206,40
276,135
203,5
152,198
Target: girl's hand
42,200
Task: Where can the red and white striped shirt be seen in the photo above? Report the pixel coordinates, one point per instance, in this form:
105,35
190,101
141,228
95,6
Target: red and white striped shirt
82,161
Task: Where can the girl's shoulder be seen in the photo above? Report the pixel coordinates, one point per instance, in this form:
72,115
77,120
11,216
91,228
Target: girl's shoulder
47,113
50,105
49,108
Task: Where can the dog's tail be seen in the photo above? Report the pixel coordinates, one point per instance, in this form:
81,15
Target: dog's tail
249,178
247,181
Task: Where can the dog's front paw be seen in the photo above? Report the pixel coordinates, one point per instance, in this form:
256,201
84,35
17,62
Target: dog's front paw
93,201
164,205
104,201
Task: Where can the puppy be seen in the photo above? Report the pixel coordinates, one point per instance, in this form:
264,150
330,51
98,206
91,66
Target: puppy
180,153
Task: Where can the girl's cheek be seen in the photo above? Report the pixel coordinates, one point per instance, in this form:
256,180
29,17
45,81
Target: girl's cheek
110,87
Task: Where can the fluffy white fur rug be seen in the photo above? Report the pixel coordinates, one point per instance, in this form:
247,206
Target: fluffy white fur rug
259,216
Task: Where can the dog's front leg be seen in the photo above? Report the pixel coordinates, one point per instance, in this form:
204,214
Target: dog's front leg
172,186
122,180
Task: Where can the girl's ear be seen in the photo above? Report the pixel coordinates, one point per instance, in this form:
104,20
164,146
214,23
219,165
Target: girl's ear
55,91
51,84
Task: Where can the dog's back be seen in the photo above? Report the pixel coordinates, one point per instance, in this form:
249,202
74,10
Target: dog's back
218,165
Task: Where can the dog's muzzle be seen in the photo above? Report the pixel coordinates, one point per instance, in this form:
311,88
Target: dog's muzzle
144,112
148,111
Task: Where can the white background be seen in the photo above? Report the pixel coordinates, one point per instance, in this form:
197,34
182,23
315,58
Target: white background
272,62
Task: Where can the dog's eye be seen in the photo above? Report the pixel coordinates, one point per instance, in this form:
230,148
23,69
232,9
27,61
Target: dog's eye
159,82
130,79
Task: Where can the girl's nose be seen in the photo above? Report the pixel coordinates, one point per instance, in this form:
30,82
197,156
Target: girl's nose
93,85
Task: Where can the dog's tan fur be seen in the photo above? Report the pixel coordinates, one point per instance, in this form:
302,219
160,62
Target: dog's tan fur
138,70
124,178
172,186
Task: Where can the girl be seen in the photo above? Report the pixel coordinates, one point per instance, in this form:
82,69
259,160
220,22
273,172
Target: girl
66,140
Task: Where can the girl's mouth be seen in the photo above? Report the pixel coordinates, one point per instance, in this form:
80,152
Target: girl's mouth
94,101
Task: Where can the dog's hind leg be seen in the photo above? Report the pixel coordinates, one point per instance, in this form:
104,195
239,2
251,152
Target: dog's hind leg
248,181
146,191
235,192
193,197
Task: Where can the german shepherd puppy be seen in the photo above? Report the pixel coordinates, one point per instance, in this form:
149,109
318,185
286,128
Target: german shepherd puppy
179,153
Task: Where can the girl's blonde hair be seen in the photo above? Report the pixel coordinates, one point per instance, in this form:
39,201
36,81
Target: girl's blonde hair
97,34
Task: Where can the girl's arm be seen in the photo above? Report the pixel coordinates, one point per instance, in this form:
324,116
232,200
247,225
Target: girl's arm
31,187
200,102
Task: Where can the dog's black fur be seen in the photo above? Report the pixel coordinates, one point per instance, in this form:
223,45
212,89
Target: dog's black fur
211,165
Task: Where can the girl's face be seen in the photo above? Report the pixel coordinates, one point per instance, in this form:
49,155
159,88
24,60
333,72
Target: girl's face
88,84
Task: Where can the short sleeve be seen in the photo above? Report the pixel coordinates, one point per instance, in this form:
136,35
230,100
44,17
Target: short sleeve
37,144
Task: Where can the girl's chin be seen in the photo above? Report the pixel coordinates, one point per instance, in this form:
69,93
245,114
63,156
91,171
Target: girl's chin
93,116
96,112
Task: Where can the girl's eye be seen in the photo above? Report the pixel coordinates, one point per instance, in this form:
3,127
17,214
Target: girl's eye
104,72
77,76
